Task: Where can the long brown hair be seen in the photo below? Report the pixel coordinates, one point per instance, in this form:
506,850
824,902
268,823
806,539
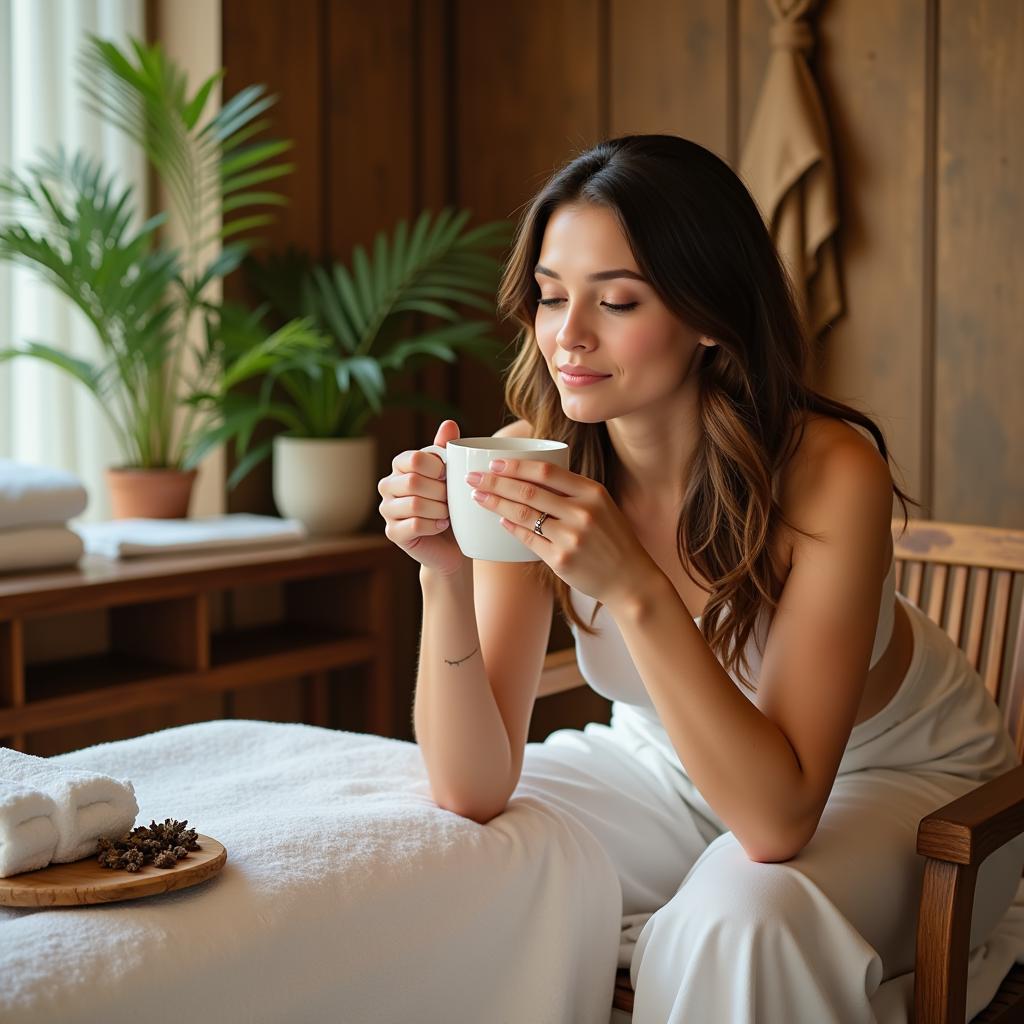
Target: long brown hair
697,236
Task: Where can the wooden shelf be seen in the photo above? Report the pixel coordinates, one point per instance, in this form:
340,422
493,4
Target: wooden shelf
164,646
49,681
311,644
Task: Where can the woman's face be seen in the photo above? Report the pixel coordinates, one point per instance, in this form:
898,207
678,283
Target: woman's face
615,325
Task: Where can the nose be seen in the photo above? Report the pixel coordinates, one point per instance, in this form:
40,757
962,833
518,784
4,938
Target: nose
575,333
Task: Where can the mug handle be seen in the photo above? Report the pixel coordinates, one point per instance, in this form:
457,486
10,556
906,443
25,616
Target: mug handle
442,453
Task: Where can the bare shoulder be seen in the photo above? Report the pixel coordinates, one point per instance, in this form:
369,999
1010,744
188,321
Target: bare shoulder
521,428
823,438
835,470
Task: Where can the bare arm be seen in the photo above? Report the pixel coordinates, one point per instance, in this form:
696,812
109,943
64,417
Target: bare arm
767,770
482,650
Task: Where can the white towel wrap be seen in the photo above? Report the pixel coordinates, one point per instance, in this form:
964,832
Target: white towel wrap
28,835
88,804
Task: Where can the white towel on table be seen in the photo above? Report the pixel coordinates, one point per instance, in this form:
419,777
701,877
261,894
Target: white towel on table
28,835
88,804
342,876
122,538
39,547
38,495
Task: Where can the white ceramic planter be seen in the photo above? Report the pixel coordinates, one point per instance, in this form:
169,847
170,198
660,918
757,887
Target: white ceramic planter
327,483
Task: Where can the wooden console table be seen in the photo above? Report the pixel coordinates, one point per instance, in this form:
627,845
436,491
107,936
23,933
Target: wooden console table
336,596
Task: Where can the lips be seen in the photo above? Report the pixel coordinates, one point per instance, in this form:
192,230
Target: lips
580,371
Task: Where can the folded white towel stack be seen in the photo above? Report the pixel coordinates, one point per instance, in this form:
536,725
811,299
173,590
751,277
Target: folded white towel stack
28,835
39,547
126,538
38,495
88,804
35,504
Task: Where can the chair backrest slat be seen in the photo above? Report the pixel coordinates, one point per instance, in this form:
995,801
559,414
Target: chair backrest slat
976,623
970,581
994,659
912,584
1015,686
937,600
957,600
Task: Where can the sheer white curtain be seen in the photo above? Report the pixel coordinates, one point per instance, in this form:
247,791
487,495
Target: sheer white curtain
46,417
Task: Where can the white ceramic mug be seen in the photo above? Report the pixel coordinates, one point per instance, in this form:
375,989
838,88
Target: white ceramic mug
477,529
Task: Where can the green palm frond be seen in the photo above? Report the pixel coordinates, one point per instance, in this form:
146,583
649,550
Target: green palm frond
237,349
71,223
77,232
215,170
422,272
430,269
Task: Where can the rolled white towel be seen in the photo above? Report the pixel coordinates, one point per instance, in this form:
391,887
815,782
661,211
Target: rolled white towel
28,835
39,547
38,495
88,804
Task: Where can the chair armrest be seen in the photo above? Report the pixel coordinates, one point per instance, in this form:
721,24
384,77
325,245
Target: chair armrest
967,830
560,673
956,839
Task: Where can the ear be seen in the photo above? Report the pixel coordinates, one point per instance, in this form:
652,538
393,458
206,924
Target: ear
708,342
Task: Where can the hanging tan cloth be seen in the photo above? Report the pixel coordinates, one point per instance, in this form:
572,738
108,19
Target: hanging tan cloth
787,164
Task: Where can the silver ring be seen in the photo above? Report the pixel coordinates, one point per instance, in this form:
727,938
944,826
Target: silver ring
537,525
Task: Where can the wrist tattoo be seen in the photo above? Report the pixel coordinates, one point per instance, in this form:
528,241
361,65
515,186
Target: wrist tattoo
461,660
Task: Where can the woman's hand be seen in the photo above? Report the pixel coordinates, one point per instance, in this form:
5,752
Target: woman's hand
415,507
586,541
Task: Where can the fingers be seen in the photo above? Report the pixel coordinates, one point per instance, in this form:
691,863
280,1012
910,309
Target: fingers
413,493
412,506
447,431
404,531
403,485
424,463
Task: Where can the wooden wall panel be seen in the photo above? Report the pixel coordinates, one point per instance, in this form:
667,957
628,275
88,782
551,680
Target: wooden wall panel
753,50
666,72
873,77
281,46
370,168
528,86
435,184
979,412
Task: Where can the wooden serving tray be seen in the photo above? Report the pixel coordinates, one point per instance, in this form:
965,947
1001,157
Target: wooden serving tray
86,881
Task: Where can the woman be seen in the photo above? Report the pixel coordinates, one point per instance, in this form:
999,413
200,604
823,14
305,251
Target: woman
721,547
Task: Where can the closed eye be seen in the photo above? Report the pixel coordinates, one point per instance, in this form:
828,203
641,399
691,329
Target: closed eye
616,308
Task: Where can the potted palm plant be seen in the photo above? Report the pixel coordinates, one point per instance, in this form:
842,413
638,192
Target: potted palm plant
68,219
324,462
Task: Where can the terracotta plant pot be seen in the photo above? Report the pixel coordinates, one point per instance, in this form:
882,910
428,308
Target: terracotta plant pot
150,493
329,483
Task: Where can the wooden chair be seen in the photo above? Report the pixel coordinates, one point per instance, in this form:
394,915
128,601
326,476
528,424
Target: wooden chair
970,580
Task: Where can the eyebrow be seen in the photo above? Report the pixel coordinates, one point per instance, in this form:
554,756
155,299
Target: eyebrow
601,275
